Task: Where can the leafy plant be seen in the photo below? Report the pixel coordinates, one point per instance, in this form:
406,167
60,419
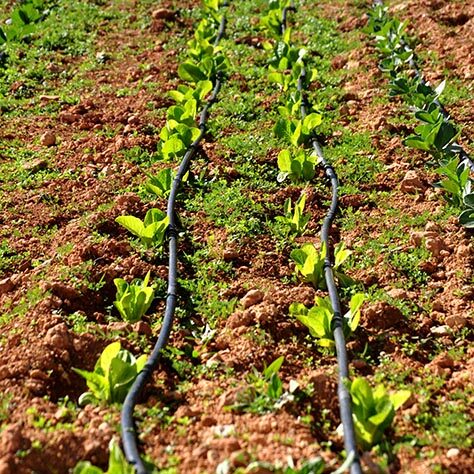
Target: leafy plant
22,21
310,264
373,410
456,182
294,219
297,165
265,390
113,375
318,319
160,184
184,93
417,93
435,135
134,299
296,131
466,218
151,230
117,463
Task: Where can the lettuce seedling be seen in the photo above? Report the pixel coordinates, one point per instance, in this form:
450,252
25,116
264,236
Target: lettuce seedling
373,410
183,93
151,230
265,391
310,264
134,299
318,319
466,218
117,463
294,219
295,131
435,135
160,184
456,181
112,377
296,165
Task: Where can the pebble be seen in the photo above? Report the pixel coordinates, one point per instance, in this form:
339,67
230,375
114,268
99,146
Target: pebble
452,453
48,139
440,330
411,183
163,14
6,285
253,297
456,321
35,165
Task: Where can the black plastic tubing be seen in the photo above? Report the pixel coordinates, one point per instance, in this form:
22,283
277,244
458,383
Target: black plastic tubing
129,434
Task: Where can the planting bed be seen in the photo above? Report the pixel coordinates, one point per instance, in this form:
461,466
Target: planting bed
83,100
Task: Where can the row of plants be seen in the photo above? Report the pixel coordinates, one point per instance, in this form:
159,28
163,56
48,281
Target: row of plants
373,409
116,369
436,134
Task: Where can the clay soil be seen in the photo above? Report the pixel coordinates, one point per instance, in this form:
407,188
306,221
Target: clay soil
71,249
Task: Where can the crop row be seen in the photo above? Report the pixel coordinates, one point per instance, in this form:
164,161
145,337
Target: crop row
436,134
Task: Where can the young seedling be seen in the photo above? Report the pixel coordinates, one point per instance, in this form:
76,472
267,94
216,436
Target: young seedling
310,264
456,181
295,220
160,184
466,218
183,93
373,410
295,131
112,377
297,165
318,319
117,463
134,299
265,391
151,230
435,135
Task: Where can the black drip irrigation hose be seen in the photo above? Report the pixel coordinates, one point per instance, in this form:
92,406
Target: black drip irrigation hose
463,155
129,434
345,401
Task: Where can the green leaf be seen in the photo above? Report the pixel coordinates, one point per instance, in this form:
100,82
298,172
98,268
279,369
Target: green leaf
132,224
399,398
466,218
310,122
274,367
191,73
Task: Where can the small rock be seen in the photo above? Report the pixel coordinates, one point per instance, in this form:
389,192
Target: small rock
239,319
208,421
452,453
141,327
360,364
435,245
456,321
58,337
440,330
382,315
444,361
38,374
68,117
163,14
35,165
48,139
6,285
230,254
184,411
411,183
253,297
352,64
397,294
133,119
